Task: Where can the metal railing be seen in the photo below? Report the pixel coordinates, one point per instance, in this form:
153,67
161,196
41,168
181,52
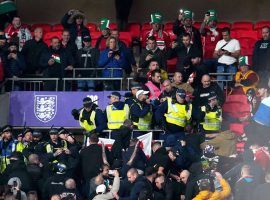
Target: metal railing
96,70
33,82
92,79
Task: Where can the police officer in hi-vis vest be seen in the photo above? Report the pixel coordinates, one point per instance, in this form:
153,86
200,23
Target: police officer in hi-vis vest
116,112
174,114
211,116
90,117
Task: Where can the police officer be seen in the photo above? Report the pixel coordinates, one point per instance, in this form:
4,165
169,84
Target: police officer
34,146
141,111
211,115
116,112
174,114
130,97
7,146
56,148
91,118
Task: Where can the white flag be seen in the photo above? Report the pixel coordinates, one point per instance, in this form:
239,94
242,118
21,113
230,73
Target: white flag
146,143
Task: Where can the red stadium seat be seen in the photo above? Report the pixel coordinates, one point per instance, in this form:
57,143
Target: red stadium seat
126,38
237,128
135,30
247,45
113,26
48,36
94,36
242,26
261,24
168,26
57,27
146,27
197,25
46,27
223,25
91,27
244,34
28,26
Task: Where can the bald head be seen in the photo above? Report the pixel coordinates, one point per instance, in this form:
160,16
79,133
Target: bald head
33,159
167,85
206,80
132,174
184,176
70,184
156,146
177,78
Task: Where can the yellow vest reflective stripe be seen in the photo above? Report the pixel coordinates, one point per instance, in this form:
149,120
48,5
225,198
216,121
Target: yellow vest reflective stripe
212,122
244,77
116,118
5,160
50,148
20,146
85,124
177,113
144,122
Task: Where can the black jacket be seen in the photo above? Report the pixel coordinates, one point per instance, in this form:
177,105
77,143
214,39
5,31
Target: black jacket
57,70
261,53
158,55
179,30
14,67
71,47
32,51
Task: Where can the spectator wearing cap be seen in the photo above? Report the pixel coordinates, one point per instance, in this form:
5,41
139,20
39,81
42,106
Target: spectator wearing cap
154,85
227,52
211,35
169,90
32,51
7,146
36,146
211,115
68,44
87,58
152,52
129,57
245,79
14,65
179,83
141,111
16,30
15,184
261,52
91,117
112,59
101,43
174,114
183,24
74,21
57,62
182,50
162,37
116,112
202,92
130,97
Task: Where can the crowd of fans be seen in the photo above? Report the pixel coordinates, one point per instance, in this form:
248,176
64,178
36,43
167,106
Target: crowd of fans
196,157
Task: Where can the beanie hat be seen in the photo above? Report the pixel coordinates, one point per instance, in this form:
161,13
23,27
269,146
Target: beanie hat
187,14
243,61
213,15
156,18
104,24
15,179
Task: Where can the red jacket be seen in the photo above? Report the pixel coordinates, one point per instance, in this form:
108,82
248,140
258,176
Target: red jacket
209,42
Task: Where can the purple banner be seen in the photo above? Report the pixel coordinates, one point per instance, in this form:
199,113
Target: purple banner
44,109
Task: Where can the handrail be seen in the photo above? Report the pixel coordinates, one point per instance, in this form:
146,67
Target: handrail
92,79
92,69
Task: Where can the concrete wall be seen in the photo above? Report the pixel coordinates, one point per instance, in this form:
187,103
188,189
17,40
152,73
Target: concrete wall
4,109
51,11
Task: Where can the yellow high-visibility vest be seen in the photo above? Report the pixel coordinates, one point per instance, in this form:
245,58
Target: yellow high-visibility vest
115,117
85,125
212,121
144,122
177,113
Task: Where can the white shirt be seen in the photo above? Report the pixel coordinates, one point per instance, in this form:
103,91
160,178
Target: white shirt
232,46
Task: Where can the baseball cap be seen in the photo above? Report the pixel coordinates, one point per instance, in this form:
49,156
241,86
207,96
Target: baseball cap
87,102
141,92
87,38
101,189
6,128
116,94
135,86
181,93
53,131
212,96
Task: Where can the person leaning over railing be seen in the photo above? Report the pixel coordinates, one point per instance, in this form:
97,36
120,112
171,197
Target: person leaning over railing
110,59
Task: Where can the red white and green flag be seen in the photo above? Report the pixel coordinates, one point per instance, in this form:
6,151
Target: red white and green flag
56,58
